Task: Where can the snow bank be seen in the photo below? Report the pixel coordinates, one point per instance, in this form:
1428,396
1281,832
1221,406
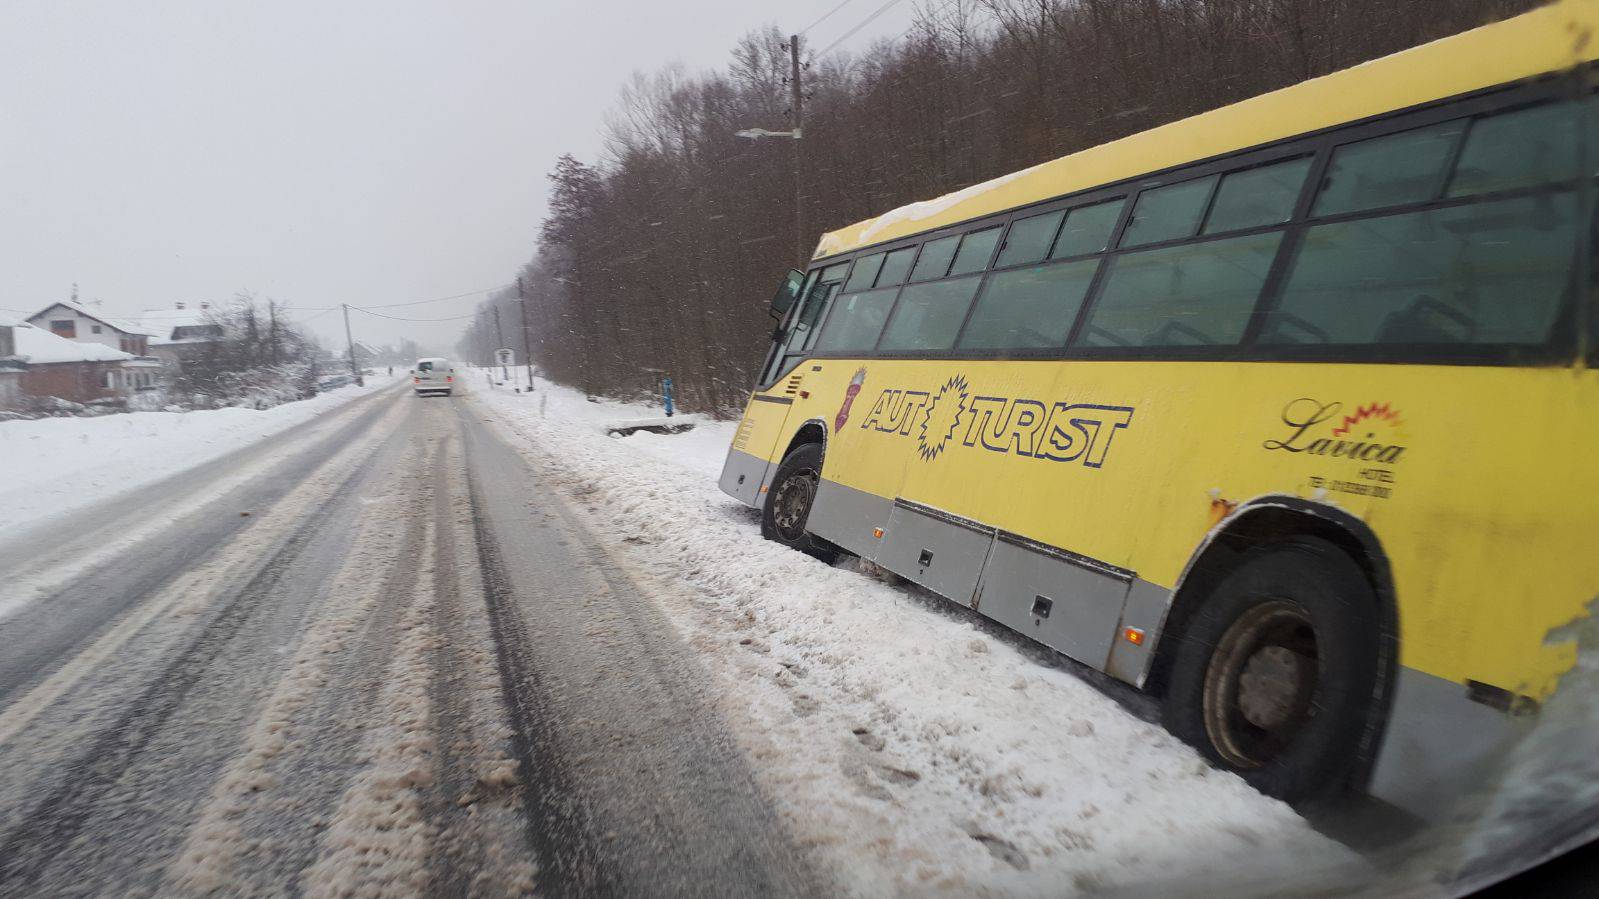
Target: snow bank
910,748
49,466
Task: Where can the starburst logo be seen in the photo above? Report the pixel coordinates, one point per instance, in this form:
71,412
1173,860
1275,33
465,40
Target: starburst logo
943,417
1371,412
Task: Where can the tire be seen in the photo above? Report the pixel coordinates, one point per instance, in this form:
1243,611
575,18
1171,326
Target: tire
788,503
1276,676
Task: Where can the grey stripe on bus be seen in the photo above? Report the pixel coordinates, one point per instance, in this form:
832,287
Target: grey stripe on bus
1071,603
1439,745
742,476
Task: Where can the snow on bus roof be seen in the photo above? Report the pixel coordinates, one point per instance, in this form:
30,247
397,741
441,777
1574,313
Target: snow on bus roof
1544,40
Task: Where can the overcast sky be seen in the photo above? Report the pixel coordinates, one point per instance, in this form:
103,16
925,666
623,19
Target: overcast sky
319,152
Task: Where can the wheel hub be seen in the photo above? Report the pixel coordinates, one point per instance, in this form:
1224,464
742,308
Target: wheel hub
1270,683
1260,683
792,505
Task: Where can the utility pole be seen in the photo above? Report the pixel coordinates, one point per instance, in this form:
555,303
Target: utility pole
797,125
527,355
354,369
500,336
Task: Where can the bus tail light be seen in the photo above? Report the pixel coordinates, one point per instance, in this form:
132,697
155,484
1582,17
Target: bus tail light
1133,635
878,533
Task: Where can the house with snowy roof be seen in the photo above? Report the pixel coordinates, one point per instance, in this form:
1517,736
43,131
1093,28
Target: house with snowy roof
39,366
80,322
182,333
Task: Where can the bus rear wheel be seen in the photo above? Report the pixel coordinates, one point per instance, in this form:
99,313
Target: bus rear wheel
1276,674
789,500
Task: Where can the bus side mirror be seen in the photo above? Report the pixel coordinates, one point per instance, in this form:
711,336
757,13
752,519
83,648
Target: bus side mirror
787,292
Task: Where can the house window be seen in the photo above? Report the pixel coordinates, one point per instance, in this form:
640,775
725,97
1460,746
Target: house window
95,328
64,327
108,380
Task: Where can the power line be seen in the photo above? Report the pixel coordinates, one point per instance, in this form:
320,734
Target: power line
313,318
826,16
398,318
435,299
932,9
455,296
863,23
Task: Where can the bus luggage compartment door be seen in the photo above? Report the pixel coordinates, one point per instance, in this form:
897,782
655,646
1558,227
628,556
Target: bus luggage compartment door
942,552
1066,602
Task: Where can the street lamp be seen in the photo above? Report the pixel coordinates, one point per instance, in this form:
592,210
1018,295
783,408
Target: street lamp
796,112
799,209
758,133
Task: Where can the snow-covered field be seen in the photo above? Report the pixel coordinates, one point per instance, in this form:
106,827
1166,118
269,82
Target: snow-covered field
49,466
912,747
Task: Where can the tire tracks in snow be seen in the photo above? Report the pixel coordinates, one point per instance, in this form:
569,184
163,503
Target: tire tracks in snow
378,839
632,783
484,841
53,823
559,832
321,736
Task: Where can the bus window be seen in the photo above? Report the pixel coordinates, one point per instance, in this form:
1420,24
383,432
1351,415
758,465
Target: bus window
1517,149
1256,197
805,334
1088,229
1029,238
1491,272
1197,294
1388,171
864,273
896,267
1167,213
820,287
976,249
1029,308
929,315
855,321
935,259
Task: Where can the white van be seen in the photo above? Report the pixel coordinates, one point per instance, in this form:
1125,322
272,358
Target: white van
433,375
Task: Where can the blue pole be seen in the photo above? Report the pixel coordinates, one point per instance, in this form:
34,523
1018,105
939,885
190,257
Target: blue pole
666,395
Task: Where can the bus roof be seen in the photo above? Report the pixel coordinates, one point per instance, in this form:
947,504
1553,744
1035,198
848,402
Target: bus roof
1547,39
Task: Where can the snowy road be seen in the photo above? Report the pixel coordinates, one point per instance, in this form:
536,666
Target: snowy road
388,660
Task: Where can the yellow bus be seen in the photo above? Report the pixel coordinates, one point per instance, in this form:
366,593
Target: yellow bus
1285,412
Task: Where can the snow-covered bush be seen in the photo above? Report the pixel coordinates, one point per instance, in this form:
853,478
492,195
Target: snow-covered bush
265,386
261,361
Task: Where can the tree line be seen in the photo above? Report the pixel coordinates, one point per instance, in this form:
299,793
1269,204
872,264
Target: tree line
660,256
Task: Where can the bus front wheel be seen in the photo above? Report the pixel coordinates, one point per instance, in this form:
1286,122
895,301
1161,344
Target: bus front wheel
788,503
1276,673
